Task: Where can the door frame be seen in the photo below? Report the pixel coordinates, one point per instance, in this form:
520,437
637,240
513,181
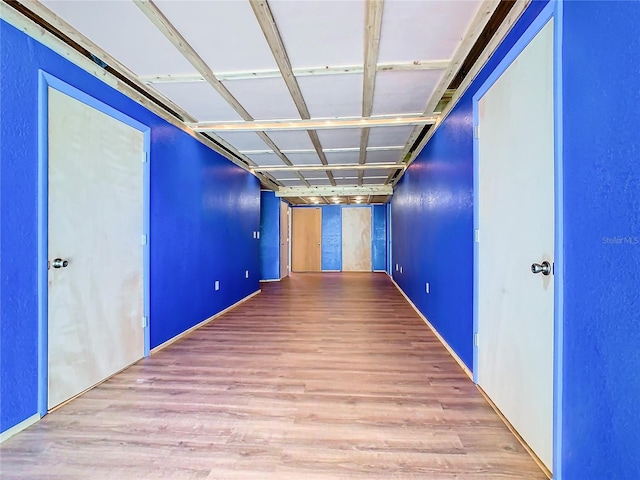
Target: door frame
46,80
552,11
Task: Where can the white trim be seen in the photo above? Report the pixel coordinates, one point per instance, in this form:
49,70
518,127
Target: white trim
333,191
455,356
201,324
270,280
316,123
348,166
7,434
418,65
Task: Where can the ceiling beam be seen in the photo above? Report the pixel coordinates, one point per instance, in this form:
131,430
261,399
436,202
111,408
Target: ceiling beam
333,191
163,24
502,31
417,65
315,123
41,11
348,166
478,23
389,148
372,30
269,28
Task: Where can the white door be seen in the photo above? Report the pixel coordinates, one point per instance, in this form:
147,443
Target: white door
356,239
516,229
95,223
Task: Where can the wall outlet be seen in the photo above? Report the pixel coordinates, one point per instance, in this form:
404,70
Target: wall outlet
427,287
246,274
216,285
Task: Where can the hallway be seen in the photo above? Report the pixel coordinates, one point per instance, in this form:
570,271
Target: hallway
321,376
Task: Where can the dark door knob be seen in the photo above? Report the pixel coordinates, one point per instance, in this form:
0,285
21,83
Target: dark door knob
543,268
59,263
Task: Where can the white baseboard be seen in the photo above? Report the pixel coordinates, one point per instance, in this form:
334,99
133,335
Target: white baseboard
435,332
204,322
270,280
19,427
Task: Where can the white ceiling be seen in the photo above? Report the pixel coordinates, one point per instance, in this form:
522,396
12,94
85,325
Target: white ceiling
224,63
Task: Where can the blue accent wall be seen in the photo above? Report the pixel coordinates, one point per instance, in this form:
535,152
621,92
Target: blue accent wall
379,237
432,217
331,237
601,388
269,236
203,210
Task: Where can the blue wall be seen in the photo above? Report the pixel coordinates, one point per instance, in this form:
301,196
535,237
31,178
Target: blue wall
432,217
203,211
332,237
269,236
601,73
379,238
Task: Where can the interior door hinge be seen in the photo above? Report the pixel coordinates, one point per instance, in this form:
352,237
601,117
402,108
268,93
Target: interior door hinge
476,131
145,322
145,157
476,235
475,339
144,239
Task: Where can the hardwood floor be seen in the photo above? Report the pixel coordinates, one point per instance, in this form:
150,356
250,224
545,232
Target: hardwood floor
321,376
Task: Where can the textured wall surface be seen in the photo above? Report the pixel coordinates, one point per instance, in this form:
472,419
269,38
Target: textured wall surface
203,213
269,236
331,237
601,434
432,217
379,237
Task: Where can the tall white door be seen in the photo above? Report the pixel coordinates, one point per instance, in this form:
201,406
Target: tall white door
356,239
516,230
95,293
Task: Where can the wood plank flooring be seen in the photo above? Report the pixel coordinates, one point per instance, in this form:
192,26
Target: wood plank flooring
321,376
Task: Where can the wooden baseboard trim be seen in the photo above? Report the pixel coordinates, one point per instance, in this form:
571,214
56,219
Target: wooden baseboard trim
455,356
7,434
536,459
201,324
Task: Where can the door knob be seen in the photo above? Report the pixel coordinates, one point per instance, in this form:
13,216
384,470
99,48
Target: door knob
59,263
544,268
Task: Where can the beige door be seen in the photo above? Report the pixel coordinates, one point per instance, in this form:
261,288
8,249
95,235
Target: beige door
95,223
356,239
284,239
516,230
306,226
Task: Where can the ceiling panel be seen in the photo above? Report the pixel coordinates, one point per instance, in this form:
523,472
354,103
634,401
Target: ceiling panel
243,140
264,98
326,33
266,159
430,30
294,183
200,100
378,156
123,31
374,181
404,92
389,136
304,158
330,96
292,139
317,181
340,138
212,27
378,173
338,158
285,175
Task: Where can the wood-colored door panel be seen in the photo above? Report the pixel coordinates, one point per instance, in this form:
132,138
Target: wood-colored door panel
306,239
516,225
95,222
356,239
284,239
